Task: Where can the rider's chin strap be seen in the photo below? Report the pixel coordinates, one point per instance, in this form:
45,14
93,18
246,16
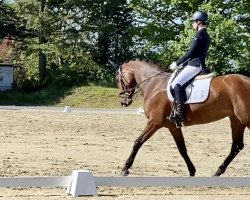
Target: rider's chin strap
198,26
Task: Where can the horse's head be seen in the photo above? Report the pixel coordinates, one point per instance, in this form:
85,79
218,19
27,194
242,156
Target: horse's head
132,74
126,83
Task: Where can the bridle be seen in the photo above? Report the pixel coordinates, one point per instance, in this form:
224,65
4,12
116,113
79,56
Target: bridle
128,93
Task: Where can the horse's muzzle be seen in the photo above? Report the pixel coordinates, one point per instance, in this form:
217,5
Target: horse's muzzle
125,101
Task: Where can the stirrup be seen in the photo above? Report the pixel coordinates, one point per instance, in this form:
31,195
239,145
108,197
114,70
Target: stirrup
177,120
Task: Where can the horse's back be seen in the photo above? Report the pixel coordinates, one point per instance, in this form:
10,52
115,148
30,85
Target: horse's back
232,82
228,94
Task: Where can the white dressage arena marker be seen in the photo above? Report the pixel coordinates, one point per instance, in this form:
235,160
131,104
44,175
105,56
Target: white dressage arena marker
83,183
67,109
140,111
88,183
36,181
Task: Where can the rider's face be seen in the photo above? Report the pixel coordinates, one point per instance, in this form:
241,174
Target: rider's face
195,25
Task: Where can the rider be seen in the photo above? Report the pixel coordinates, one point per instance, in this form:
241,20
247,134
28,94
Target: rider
193,62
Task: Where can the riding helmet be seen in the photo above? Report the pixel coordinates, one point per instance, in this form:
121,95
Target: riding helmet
200,15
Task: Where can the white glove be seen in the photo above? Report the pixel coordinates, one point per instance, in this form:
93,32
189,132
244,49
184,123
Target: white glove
173,66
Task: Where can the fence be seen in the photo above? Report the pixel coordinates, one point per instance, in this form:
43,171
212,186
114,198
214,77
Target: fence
82,182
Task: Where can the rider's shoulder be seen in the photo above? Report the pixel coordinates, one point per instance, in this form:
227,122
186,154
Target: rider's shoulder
202,31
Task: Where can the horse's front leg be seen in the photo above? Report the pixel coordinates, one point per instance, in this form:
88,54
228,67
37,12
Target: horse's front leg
149,130
180,142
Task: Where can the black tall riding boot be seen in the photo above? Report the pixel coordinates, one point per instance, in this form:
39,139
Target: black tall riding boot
179,96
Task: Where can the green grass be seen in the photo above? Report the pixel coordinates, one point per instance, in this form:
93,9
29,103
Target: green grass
84,96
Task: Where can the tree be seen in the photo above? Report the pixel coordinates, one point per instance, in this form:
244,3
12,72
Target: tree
7,20
164,33
63,43
230,36
73,39
112,21
10,24
7,50
75,36
33,13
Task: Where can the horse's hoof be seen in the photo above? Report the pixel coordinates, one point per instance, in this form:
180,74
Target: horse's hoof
219,172
192,172
216,174
125,172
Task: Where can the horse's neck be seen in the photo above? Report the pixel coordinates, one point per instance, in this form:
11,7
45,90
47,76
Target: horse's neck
144,73
144,78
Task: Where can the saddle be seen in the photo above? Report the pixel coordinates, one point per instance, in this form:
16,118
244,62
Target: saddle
196,90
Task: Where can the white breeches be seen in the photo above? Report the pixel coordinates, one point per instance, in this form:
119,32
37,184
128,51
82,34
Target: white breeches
185,75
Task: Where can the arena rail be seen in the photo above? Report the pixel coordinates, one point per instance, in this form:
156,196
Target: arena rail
83,183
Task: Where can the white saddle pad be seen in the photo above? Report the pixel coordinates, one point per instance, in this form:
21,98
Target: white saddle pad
199,93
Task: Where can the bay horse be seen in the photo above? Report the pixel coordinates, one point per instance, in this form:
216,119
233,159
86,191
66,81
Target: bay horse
229,96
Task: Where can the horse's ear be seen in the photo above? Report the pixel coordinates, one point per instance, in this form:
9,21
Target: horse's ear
114,65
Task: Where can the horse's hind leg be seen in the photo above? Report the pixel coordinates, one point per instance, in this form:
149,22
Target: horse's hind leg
179,140
237,145
149,130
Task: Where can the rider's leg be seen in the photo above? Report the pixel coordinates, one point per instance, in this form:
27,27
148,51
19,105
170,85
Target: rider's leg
183,77
179,96
186,75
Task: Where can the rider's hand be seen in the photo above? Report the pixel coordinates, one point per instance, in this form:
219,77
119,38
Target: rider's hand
173,66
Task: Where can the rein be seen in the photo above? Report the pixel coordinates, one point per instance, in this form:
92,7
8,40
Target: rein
138,85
